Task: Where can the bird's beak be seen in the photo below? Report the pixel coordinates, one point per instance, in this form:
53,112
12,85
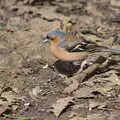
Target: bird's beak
45,40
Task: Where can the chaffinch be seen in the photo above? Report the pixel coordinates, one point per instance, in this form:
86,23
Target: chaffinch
60,41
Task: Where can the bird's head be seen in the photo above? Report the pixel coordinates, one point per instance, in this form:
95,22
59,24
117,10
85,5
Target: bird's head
54,34
65,38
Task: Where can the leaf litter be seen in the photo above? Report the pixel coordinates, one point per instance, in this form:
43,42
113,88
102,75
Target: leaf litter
9,100
61,104
95,28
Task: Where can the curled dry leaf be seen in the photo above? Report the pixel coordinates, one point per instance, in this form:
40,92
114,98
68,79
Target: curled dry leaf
61,104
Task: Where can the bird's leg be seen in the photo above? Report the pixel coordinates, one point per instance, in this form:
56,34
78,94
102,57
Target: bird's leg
82,65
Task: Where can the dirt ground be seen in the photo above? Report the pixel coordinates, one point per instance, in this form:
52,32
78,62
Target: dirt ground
36,86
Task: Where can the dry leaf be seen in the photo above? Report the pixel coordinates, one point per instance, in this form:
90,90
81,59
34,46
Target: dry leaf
104,90
61,104
113,78
10,96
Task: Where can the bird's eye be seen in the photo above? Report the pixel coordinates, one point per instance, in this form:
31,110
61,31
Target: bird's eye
47,37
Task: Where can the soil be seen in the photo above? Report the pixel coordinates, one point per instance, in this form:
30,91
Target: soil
28,69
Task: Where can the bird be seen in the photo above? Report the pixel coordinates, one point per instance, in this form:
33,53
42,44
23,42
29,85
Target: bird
60,46
61,41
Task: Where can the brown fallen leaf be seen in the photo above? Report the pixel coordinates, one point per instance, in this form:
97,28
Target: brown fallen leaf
61,104
104,90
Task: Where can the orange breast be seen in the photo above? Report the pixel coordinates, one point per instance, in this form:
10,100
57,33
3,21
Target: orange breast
62,54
